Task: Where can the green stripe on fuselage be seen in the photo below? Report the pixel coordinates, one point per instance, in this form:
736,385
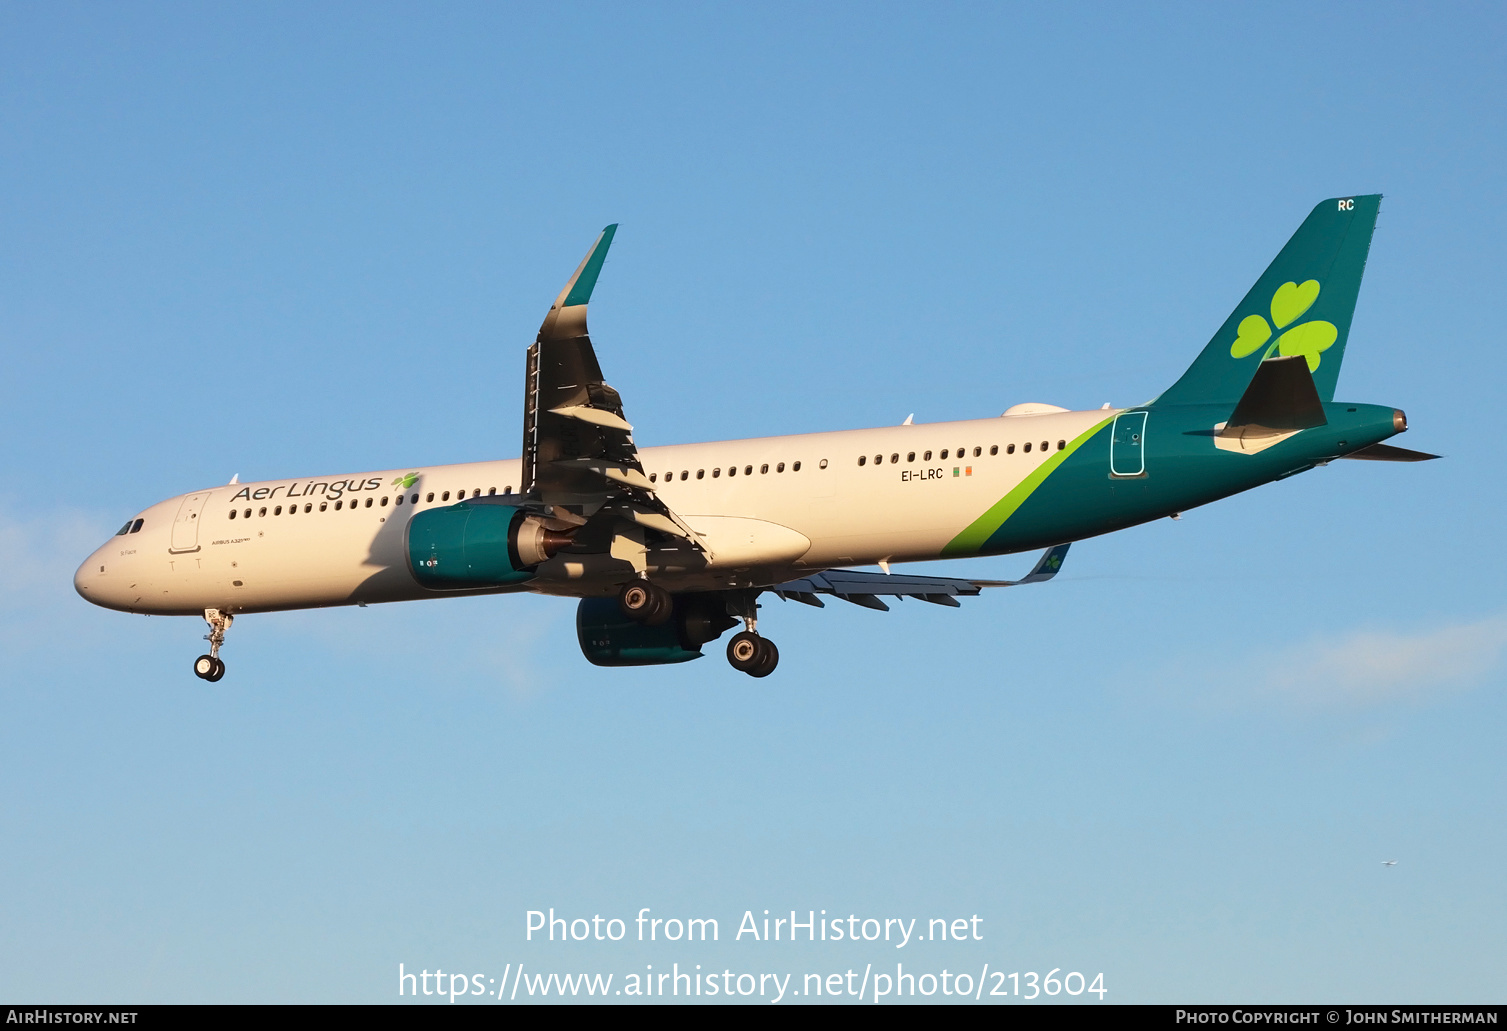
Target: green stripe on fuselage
1075,496
985,526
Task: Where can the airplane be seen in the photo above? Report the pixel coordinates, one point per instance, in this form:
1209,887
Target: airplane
666,548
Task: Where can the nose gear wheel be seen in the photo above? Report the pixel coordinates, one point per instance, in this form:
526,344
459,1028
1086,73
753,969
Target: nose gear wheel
210,667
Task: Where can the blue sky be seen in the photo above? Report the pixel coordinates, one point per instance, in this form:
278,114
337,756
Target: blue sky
274,241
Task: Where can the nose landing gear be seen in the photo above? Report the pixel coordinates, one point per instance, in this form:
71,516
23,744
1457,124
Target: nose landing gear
209,667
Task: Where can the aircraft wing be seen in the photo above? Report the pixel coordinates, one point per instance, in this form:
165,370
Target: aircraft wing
865,588
579,458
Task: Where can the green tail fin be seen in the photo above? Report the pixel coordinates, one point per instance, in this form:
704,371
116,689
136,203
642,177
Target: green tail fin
1302,304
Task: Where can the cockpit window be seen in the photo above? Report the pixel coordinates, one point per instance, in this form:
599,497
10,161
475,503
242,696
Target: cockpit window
124,529
136,526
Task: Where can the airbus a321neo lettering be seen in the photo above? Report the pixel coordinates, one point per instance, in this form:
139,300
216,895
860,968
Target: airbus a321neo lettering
667,548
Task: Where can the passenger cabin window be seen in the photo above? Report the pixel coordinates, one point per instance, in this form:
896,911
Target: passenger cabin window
1061,444
910,457
878,459
894,458
384,501
1044,445
1010,449
232,515
763,468
323,505
748,470
926,457
261,512
368,502
862,460
1027,447
653,477
445,496
994,449
338,505
716,473
780,468
977,452
429,496
278,510
309,507
796,467
685,474
700,474
248,513
943,456
398,500
491,491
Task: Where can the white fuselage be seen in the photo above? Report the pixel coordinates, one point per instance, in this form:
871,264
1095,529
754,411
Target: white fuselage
806,504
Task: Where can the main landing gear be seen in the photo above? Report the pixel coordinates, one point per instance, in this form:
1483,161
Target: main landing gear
704,618
747,652
209,667
646,603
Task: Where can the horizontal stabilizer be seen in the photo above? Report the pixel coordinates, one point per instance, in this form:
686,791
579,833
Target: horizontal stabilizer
1280,400
1281,397
1388,453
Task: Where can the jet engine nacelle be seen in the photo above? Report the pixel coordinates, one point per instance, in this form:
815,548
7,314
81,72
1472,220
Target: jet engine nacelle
609,638
478,543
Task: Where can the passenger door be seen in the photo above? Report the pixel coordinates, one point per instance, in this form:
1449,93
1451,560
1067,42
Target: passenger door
186,526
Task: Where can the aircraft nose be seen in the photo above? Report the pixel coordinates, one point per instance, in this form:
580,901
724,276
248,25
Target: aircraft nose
93,583
81,578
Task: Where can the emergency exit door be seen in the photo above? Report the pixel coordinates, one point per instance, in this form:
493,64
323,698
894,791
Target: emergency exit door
1127,446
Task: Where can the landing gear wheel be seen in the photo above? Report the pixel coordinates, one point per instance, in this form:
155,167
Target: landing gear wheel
749,653
645,603
768,659
209,667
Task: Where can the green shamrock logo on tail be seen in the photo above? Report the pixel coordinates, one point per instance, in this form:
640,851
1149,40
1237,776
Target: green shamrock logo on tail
1289,303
